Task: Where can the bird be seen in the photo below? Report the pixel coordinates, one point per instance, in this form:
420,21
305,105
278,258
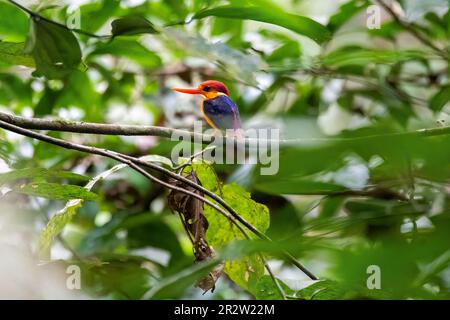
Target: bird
219,111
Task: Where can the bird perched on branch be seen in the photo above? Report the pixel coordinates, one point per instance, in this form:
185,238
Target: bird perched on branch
219,111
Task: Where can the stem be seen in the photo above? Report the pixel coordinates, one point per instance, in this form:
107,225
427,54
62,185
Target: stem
410,28
36,15
138,130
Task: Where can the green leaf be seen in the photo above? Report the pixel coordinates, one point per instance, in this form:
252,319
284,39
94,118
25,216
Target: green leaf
13,53
117,276
345,13
158,159
95,14
266,289
246,271
55,191
131,26
270,14
440,99
55,49
353,55
56,225
297,186
38,173
65,215
289,50
174,286
13,23
321,290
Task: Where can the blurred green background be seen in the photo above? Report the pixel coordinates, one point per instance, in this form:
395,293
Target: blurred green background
362,188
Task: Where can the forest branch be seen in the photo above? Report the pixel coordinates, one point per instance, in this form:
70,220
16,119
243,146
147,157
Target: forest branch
139,130
134,163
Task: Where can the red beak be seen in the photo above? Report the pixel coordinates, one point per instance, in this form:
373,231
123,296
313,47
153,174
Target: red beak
190,91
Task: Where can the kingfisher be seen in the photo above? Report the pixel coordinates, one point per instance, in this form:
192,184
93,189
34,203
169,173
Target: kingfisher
219,111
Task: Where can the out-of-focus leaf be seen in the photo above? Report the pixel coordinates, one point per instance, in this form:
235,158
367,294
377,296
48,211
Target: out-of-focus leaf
415,9
131,26
299,24
345,13
301,162
55,49
78,91
289,50
298,186
174,286
117,276
55,191
388,30
39,173
234,62
330,206
14,92
12,53
47,102
362,56
321,290
65,215
440,99
132,50
94,15
13,23
266,289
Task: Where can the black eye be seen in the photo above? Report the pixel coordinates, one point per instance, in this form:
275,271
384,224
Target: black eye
206,88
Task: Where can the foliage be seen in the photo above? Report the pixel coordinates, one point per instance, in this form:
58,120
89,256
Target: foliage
366,181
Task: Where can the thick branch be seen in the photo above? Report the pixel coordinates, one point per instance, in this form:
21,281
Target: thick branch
138,130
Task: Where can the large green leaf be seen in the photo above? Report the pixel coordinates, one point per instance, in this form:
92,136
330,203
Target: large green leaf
55,49
12,53
345,13
271,14
55,191
248,270
38,173
13,23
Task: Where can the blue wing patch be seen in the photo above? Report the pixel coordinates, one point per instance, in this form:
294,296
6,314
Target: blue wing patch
222,112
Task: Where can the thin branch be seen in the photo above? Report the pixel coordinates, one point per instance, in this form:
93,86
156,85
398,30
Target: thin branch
133,163
138,130
411,29
35,15
274,279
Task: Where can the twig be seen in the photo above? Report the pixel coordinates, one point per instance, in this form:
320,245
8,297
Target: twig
35,15
410,28
195,155
274,279
133,163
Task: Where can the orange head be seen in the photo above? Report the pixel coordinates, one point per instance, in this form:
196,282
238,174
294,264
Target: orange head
208,89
